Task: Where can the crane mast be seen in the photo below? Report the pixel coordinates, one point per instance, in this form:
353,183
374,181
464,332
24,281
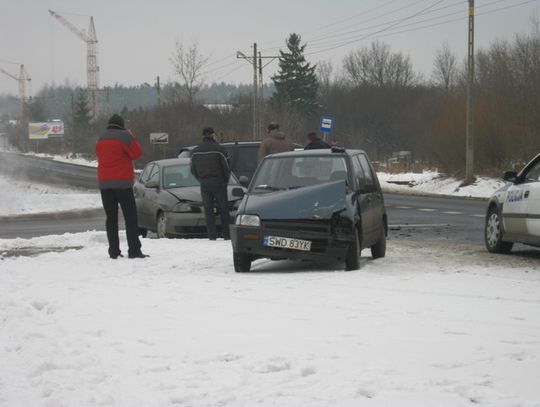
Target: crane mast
92,68
22,79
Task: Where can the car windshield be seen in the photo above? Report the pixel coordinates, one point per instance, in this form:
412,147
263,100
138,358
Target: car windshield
281,173
179,176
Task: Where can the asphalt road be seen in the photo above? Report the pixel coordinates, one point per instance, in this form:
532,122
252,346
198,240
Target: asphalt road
411,217
456,220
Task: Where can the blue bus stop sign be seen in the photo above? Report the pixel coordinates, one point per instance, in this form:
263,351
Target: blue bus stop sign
327,122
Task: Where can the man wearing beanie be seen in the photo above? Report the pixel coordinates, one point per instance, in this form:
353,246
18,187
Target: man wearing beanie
116,149
209,165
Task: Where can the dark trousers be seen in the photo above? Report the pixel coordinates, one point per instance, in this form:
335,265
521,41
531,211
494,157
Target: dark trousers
111,198
213,194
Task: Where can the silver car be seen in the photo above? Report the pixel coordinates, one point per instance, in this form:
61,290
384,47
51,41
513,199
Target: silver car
169,201
513,214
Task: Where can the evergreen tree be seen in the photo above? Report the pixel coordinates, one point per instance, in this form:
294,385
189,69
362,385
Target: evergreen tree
81,130
296,82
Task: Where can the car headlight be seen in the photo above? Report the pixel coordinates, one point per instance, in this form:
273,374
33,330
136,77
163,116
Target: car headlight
248,220
182,207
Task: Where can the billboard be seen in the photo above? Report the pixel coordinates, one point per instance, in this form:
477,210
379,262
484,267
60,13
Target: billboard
159,138
45,130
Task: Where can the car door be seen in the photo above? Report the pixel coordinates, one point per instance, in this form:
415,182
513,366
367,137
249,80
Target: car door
514,209
149,200
362,200
139,193
375,197
531,198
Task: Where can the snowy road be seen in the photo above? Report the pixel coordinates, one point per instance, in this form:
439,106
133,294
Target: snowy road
429,325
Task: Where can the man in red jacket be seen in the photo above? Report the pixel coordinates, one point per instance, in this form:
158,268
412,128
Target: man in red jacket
116,149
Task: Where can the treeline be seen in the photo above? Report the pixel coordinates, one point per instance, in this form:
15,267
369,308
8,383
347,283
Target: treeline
379,104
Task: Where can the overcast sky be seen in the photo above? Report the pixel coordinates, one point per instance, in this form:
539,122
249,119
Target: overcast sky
136,38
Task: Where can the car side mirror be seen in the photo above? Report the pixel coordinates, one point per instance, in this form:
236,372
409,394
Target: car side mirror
510,176
244,180
152,184
238,192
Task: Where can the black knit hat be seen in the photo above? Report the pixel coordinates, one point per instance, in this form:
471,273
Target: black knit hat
116,120
208,131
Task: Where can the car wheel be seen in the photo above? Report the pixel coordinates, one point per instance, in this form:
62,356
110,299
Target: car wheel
352,261
378,250
143,232
493,233
161,226
242,262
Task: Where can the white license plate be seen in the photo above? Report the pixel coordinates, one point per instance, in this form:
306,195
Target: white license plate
287,243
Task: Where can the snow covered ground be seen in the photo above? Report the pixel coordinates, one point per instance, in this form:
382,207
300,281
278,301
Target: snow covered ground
432,182
426,326
66,159
30,197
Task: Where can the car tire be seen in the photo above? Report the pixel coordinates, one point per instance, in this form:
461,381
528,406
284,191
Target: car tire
161,225
143,232
352,261
493,233
378,250
242,262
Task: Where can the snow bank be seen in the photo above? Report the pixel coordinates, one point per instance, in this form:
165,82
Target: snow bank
432,182
29,198
66,159
425,326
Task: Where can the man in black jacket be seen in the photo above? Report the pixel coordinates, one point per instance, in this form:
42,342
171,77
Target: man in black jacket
314,142
209,165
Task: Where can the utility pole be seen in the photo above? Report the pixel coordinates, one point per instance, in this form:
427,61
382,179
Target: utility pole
469,157
256,61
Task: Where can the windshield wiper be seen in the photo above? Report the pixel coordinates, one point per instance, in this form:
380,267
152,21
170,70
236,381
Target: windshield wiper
268,187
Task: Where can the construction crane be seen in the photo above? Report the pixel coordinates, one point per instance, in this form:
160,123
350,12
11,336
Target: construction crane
92,68
23,78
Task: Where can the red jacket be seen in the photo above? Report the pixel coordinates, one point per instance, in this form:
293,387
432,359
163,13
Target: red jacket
116,149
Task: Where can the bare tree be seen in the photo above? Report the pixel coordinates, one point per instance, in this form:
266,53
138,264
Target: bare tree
445,68
188,64
377,66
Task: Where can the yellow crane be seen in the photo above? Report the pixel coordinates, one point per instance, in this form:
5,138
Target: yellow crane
23,78
92,68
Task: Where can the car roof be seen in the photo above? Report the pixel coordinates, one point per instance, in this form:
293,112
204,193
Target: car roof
317,152
171,161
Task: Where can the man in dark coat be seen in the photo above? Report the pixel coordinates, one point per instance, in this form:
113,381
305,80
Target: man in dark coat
275,142
210,166
314,142
116,149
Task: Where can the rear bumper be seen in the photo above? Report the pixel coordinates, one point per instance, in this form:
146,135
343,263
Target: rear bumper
325,245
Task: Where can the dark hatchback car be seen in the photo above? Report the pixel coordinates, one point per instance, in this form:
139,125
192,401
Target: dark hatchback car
312,205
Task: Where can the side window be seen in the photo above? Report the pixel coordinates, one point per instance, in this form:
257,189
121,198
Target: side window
146,173
154,174
359,178
246,158
534,173
367,169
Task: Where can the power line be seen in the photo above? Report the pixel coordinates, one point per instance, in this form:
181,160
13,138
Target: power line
339,44
381,30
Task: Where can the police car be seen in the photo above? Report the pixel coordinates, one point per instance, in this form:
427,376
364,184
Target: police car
513,214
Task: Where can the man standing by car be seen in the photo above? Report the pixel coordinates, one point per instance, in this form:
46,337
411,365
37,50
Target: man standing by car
116,149
314,142
275,142
209,165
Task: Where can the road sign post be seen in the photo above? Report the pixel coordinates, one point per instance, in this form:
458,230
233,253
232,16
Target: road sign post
327,124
